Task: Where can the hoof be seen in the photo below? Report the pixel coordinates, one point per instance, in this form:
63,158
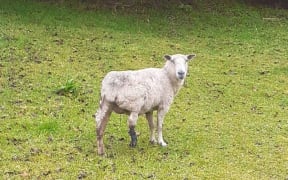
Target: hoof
101,153
133,144
163,144
153,142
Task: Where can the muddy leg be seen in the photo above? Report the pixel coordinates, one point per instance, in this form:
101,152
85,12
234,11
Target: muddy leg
132,123
102,117
133,135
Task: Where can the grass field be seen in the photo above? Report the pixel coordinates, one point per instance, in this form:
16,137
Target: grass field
228,122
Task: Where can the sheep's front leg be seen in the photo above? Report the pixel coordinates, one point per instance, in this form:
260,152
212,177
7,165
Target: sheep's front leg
149,117
132,123
160,116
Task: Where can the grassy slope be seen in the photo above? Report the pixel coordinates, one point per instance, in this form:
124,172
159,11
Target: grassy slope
229,121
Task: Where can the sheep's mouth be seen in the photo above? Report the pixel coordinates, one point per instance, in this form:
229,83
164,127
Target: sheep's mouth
181,77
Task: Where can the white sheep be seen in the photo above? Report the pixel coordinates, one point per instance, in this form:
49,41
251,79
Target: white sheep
141,92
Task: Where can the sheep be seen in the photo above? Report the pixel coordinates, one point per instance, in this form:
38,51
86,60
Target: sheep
141,92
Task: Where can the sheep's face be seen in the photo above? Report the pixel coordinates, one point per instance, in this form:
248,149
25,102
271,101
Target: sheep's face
180,63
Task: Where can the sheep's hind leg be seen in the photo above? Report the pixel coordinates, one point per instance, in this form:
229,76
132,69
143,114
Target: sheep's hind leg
102,117
149,117
132,123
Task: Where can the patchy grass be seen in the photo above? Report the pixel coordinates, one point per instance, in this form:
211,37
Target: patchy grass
229,121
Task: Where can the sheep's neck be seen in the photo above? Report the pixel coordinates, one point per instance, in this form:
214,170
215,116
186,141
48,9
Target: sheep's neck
176,86
174,82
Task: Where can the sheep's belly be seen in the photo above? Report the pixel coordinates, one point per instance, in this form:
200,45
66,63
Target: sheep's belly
119,110
148,108
140,105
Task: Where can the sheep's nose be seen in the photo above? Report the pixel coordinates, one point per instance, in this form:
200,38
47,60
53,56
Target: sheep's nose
181,73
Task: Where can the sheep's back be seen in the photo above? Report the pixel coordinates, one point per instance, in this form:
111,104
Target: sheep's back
138,90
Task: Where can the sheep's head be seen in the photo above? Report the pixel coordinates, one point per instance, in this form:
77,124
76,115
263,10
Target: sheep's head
180,64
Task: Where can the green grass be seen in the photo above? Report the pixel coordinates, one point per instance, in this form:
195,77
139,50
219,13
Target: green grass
228,122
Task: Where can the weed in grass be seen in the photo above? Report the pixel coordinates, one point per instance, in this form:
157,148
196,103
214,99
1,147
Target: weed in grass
68,88
281,71
284,102
48,127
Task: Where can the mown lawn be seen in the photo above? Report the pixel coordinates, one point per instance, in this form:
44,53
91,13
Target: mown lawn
228,122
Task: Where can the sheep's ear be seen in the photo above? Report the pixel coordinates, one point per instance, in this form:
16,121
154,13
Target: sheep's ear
168,57
190,56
